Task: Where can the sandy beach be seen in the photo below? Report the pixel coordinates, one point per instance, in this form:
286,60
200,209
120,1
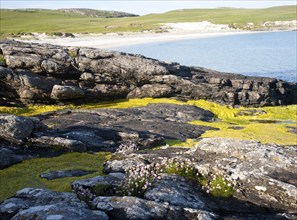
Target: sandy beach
111,41
170,32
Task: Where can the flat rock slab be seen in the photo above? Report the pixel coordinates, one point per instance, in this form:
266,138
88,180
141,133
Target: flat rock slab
110,127
64,173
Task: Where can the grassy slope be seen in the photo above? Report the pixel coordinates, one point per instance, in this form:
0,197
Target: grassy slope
14,21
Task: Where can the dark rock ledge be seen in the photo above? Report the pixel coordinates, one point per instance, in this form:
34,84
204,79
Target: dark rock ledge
53,74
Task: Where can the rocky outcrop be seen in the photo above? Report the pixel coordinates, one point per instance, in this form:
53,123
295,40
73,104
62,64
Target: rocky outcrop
51,74
98,130
263,179
17,128
32,203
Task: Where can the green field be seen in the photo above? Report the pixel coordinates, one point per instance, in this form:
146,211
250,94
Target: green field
50,21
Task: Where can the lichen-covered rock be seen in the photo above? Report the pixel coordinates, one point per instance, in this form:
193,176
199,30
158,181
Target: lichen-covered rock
18,128
264,174
100,185
15,128
176,191
30,203
124,208
58,143
58,212
60,92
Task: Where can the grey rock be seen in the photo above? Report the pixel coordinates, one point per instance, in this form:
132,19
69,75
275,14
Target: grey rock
131,208
113,166
100,185
30,203
15,128
66,92
105,75
51,67
59,212
64,173
176,191
8,158
58,143
265,174
154,91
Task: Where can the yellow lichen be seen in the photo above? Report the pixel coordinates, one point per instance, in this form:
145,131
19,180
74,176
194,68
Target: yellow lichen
265,124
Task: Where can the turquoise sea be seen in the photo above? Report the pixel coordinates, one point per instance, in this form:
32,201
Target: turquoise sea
270,54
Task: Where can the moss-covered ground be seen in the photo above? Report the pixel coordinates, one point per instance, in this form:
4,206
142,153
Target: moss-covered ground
26,173
265,124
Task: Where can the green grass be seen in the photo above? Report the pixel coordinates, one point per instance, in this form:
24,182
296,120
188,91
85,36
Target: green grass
50,21
26,173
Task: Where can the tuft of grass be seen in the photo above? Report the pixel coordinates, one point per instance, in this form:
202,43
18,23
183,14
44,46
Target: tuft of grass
221,188
2,59
188,143
26,173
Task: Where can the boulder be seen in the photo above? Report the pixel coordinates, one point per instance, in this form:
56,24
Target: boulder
58,144
263,174
18,128
99,185
176,191
124,208
30,203
60,92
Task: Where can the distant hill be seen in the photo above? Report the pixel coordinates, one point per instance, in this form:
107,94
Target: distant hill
97,13
100,21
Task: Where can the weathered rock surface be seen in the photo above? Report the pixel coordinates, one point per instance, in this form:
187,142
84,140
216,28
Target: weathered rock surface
265,174
32,203
100,185
17,128
50,74
263,177
100,130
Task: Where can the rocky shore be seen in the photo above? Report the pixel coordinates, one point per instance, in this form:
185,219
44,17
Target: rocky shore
36,73
144,177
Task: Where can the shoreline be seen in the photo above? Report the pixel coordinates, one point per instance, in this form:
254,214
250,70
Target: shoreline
114,40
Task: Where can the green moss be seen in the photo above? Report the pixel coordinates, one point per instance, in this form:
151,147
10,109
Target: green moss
179,143
257,126
26,173
2,59
221,188
101,190
72,53
188,173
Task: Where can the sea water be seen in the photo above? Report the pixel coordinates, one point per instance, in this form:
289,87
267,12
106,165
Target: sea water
269,54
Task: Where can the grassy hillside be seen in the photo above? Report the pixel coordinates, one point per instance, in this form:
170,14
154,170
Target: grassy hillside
15,21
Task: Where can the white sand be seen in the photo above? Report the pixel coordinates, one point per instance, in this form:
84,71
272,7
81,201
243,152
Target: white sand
114,41
176,31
